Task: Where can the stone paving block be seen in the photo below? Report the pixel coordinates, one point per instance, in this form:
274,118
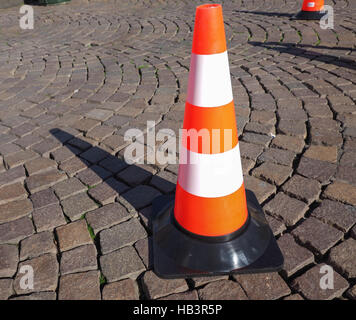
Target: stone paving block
141,196
14,231
145,251
136,174
107,191
279,156
82,143
15,210
73,166
276,225
308,285
74,207
121,264
325,137
113,164
80,286
164,181
295,296
12,176
46,146
316,169
12,192
342,257
336,214
256,138
9,148
293,128
200,281
48,218
261,189
79,260
94,155
263,286
93,175
188,295
86,124
317,235
115,142
346,174
263,116
295,144
121,290
250,150
302,188
43,181
99,114
341,192
40,165
37,296
43,198
64,153
155,287
222,290
273,173
19,158
9,258
100,133
295,256
69,187
290,210
247,165
124,234
322,153
73,235
6,289
37,245
107,216
45,270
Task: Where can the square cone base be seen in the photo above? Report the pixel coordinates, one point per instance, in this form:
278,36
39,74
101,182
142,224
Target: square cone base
308,15
178,254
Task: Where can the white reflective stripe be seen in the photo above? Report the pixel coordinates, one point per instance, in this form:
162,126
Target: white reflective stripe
210,175
209,82
311,4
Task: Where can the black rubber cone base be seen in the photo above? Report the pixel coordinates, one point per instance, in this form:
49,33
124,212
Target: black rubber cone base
309,15
176,254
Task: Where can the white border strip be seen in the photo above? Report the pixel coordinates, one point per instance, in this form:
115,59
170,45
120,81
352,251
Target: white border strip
209,82
211,175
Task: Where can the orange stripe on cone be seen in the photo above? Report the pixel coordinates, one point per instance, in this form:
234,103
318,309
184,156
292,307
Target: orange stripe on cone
211,216
209,33
222,118
313,5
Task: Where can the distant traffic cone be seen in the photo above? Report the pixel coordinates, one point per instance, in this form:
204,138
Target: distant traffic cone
210,228
311,10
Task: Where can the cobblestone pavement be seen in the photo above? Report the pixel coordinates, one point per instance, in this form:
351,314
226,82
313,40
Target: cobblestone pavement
79,215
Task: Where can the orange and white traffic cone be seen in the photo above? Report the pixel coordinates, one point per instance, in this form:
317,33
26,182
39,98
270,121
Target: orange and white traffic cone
311,10
213,226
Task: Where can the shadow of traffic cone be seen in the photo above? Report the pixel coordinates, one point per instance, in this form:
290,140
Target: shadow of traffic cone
311,10
212,226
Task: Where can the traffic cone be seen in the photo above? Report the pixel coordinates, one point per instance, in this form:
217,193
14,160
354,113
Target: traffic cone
311,10
212,226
